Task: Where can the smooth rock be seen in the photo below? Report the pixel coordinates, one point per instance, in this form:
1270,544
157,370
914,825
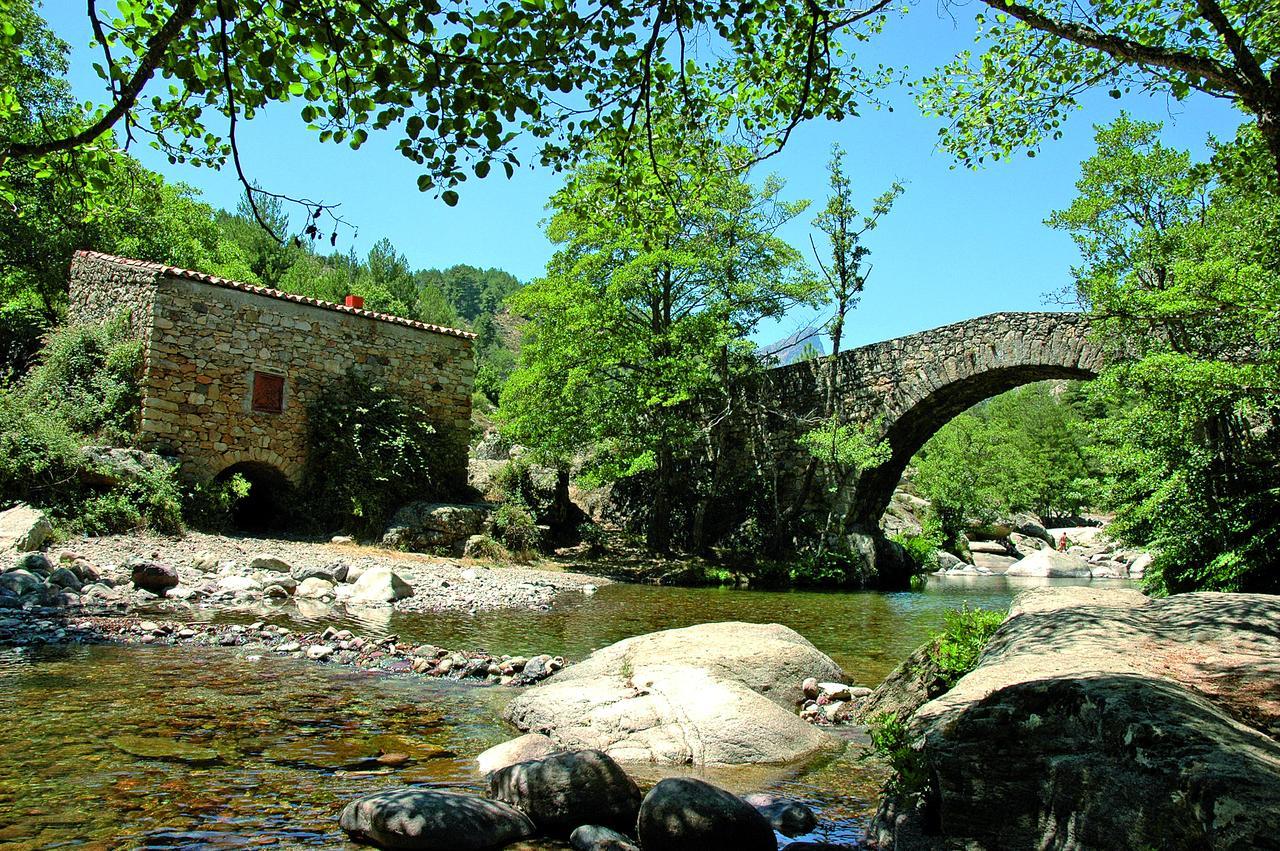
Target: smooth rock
1111,718
319,651
236,584
301,574
168,750
266,561
37,563
790,818
564,790
379,585
22,583
993,563
314,588
24,528
522,748
152,576
430,820
1051,564
65,578
684,814
595,837
712,694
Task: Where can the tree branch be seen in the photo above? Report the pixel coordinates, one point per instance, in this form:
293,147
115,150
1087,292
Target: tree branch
183,12
1211,70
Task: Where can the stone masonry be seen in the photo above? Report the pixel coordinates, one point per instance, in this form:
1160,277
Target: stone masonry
904,390
215,349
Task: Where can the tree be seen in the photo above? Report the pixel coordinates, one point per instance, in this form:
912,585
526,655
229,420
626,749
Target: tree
1043,55
645,308
1181,269
461,82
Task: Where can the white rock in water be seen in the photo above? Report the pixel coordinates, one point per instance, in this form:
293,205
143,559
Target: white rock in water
1053,565
379,585
319,651
313,589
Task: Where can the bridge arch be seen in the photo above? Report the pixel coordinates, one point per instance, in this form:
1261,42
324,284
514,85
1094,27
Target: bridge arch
908,388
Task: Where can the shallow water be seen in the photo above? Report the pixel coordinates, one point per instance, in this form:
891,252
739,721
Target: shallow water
157,747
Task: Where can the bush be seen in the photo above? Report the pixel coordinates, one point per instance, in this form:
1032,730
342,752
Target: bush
891,741
965,633
87,376
41,464
516,527
921,549
21,328
209,506
371,451
488,549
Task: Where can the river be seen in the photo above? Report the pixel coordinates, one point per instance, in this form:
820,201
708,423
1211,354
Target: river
265,751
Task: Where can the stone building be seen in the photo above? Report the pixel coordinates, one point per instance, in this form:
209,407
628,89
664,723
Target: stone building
228,368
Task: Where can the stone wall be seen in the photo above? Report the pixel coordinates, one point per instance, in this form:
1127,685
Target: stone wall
208,337
903,390
102,288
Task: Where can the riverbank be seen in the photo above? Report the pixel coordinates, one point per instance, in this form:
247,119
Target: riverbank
236,571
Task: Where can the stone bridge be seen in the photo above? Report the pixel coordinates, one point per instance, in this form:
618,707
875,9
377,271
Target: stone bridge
905,389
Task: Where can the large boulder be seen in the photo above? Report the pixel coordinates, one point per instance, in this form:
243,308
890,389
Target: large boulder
24,528
1105,719
684,814
112,466
712,694
790,818
430,820
1051,564
152,576
437,526
567,790
22,583
379,585
519,749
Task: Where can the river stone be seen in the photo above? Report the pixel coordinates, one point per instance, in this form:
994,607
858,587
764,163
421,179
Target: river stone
1111,718
65,578
22,583
235,584
992,562
565,790
684,814
1051,564
152,576
428,820
790,818
24,528
168,750
379,585
594,837
37,563
266,561
519,749
313,588
712,694
312,571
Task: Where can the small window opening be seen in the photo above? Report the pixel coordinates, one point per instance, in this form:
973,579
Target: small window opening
268,393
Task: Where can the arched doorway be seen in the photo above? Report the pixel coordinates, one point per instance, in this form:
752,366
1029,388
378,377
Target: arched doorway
267,504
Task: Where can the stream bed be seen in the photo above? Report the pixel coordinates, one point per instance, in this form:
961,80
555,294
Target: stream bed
107,747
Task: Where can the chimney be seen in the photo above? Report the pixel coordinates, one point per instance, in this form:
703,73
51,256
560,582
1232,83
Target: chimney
354,301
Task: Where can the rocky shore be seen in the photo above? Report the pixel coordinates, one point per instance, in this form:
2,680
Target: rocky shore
39,626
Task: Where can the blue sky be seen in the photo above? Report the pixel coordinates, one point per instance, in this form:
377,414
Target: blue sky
958,244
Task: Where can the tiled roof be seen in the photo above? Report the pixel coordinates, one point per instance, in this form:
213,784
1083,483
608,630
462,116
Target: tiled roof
175,272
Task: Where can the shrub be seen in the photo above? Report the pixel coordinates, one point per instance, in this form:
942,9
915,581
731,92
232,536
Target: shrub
209,506
516,527
965,633
371,451
488,549
592,535
922,551
87,376
21,328
41,464
891,741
